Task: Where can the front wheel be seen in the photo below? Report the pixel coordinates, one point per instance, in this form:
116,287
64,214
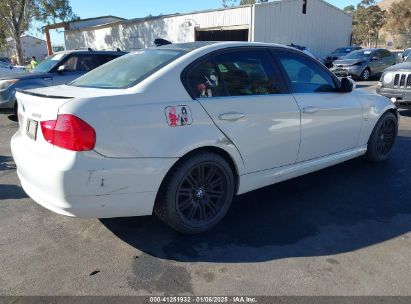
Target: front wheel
365,75
196,194
383,138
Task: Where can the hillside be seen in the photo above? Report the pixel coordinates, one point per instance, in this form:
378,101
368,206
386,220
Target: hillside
385,4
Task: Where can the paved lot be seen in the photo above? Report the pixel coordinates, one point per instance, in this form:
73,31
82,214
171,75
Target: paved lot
345,230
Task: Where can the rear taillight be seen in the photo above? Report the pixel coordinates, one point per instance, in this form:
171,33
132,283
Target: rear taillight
69,132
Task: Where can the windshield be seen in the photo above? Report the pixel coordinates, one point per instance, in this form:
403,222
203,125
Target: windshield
359,55
128,70
47,64
408,59
342,51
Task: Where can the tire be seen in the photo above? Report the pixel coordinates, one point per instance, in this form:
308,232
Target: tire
382,138
192,202
16,105
365,75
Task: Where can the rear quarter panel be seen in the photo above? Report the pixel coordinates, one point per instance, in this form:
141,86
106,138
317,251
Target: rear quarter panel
135,126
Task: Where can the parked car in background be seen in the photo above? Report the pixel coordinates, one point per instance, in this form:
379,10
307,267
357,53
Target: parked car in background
339,53
364,64
6,60
7,69
56,69
404,55
304,49
180,129
395,83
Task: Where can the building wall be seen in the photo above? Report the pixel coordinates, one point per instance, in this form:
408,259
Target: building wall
31,47
93,22
130,35
322,29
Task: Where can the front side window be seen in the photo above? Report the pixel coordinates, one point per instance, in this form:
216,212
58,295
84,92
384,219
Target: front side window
48,64
305,75
248,72
84,63
128,70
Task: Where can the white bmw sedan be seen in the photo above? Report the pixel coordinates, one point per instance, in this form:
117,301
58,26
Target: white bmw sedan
180,129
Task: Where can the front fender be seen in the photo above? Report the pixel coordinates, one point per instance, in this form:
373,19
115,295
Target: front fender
373,106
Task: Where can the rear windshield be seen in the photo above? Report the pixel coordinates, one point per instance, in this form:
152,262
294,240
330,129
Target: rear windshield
128,70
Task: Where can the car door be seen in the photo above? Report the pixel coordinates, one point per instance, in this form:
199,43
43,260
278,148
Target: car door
245,95
389,59
377,62
330,121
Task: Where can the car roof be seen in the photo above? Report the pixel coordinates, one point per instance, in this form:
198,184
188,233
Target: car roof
90,52
191,46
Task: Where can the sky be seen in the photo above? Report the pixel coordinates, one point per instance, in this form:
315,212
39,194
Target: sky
140,8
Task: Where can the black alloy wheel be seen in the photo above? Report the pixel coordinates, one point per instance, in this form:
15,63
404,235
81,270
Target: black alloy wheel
383,138
202,193
386,137
197,193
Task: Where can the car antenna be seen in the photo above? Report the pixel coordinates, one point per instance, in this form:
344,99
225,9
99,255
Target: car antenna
160,42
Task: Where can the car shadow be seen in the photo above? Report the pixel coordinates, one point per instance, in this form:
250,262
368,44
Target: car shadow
343,208
6,163
13,118
406,113
11,192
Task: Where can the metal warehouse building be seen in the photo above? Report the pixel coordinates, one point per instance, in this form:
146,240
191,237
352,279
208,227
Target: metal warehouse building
313,23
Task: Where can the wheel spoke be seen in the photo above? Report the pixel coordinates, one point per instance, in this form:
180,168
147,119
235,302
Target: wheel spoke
215,192
192,212
201,174
203,214
191,180
211,172
211,205
216,182
185,192
185,204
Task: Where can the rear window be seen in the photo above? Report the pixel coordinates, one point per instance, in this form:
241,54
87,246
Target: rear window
128,70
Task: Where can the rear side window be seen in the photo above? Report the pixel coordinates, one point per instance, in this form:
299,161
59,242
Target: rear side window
248,72
305,75
204,81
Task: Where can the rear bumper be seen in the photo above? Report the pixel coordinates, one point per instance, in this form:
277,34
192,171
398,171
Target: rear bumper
87,184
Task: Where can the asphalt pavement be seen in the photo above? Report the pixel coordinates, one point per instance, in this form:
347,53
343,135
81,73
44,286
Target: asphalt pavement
344,230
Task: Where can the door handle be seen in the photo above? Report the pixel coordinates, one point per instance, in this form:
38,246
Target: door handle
233,116
310,110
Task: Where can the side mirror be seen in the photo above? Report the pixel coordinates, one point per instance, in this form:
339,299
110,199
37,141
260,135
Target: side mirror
375,58
347,85
61,68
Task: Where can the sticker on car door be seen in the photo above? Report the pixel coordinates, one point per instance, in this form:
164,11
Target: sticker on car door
178,116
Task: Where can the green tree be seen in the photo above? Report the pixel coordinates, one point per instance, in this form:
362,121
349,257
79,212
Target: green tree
399,18
349,9
3,35
368,19
19,15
